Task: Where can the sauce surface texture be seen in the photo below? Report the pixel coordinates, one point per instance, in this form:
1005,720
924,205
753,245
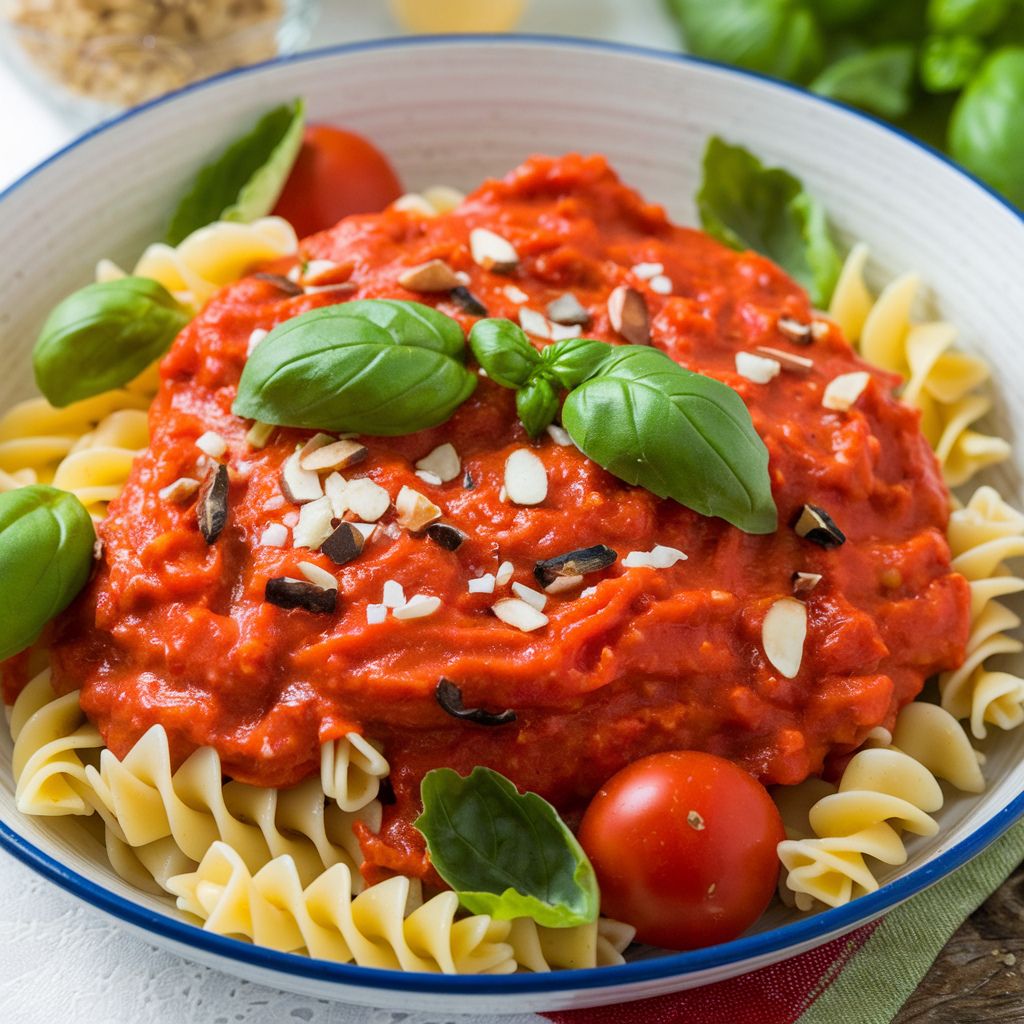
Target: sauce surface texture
177,632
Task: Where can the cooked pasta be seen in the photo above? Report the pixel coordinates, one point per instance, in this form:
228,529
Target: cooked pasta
387,925
210,258
155,815
945,384
351,770
600,944
883,792
982,536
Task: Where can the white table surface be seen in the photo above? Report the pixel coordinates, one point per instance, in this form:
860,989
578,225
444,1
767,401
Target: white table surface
59,959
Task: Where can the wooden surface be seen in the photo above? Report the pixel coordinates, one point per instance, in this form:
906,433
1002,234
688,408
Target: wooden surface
979,976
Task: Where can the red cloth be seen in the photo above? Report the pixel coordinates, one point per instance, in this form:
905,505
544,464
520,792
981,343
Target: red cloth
778,994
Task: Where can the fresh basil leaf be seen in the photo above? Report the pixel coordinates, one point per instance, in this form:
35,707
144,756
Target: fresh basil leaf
46,549
775,37
537,405
879,80
948,62
375,366
505,853
749,206
243,183
986,131
573,360
504,351
102,336
975,17
843,13
679,434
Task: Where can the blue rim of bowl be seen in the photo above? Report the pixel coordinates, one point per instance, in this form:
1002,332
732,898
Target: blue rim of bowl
809,932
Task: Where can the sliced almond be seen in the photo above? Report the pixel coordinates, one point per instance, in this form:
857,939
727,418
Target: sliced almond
526,479
317,441
415,511
530,596
516,295
321,577
783,633
180,491
254,340
758,369
568,311
627,311
519,614
660,284
336,455
559,435
787,360
805,582
796,331
492,252
275,535
562,584
417,607
314,525
432,276
298,484
645,271
369,501
443,462
334,487
504,573
482,584
212,444
534,323
843,391
394,594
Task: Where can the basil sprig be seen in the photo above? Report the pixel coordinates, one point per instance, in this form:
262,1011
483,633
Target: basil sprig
46,550
505,853
372,366
640,416
102,336
244,181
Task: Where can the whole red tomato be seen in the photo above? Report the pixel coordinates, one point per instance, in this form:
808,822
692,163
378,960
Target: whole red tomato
336,173
683,844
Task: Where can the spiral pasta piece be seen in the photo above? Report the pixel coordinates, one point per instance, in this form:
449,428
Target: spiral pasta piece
209,258
351,769
941,381
982,536
387,925
884,792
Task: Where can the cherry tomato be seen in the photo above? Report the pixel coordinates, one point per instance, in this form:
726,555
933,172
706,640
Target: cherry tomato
336,173
683,844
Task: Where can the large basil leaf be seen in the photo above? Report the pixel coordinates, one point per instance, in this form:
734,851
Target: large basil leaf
504,351
505,853
679,434
243,183
102,336
749,206
46,550
374,366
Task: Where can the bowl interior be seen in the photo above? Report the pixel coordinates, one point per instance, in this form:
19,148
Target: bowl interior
454,111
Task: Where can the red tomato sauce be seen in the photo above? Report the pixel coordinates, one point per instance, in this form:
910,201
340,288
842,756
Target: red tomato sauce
175,631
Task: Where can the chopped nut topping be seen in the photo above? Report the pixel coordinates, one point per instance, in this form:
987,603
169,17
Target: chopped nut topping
757,368
446,536
286,592
275,535
504,573
482,584
432,276
259,434
394,594
280,282
212,507
449,697
798,333
314,525
415,511
645,271
805,582
563,584
519,614
559,435
574,563
660,284
212,444
787,360
417,607
659,557
443,462
526,479
180,491
516,295
492,252
366,499
376,614
321,577
783,633
843,391
298,484
568,311
627,311
254,339
335,455
815,524
344,544
534,323
531,597
467,301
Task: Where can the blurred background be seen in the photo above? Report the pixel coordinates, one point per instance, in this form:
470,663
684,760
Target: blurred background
948,71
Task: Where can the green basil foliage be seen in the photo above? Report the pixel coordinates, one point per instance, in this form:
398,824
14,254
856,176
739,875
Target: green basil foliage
102,336
46,550
749,206
987,129
572,361
243,183
905,60
679,434
373,366
505,853
504,351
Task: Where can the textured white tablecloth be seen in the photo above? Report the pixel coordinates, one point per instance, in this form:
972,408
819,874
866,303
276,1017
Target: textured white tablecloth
60,960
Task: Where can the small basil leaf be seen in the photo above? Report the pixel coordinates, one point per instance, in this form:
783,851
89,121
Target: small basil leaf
376,366
504,351
879,80
948,62
749,206
573,360
537,405
977,17
505,853
102,336
46,549
679,434
243,183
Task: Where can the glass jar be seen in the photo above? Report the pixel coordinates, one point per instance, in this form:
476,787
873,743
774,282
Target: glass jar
98,56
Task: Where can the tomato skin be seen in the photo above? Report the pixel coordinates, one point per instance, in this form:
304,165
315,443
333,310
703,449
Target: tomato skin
336,173
684,847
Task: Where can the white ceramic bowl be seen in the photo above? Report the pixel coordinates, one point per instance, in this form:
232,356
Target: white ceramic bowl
454,110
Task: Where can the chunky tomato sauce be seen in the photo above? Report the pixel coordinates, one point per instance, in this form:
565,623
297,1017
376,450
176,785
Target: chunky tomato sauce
177,632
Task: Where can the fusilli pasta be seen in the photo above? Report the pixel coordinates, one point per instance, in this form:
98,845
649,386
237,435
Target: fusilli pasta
945,384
